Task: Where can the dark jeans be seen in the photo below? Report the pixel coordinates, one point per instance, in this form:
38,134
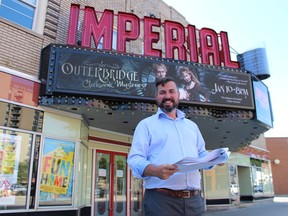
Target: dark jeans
157,203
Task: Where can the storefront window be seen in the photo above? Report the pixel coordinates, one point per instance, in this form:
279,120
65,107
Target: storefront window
257,180
217,182
19,117
261,177
267,181
84,173
15,150
56,176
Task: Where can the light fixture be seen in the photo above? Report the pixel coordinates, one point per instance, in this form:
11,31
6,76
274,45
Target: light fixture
276,161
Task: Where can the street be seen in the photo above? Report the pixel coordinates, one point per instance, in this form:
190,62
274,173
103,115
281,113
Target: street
277,207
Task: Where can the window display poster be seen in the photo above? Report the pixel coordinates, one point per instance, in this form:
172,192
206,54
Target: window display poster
56,178
9,162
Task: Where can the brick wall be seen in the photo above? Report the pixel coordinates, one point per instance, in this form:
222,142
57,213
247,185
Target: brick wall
20,48
278,148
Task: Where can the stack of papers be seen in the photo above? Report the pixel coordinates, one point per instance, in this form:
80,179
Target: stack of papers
217,156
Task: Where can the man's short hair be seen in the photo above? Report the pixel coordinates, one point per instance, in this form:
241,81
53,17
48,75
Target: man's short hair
164,80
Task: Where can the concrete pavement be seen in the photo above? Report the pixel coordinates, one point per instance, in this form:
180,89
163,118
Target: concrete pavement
275,207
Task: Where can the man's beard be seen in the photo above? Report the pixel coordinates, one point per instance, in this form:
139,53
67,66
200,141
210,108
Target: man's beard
168,109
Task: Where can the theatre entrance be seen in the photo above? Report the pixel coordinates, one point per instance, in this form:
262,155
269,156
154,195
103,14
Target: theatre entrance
110,191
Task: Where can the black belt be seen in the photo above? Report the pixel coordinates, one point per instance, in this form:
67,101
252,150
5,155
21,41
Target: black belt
177,193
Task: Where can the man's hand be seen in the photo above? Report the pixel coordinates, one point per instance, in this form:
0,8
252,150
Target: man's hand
163,171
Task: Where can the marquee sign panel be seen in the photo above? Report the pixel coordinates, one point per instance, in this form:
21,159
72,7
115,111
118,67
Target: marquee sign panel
91,73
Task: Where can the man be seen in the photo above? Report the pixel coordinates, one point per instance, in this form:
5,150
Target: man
159,141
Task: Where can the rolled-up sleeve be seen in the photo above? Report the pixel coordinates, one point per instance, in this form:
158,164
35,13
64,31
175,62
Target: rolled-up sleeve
138,155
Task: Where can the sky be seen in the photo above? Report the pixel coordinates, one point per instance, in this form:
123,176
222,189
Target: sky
250,24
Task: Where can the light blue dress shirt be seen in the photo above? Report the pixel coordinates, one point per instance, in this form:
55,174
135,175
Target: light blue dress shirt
160,139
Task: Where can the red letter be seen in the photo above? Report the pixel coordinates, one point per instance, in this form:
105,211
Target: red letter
192,43
103,28
151,37
126,34
58,181
226,58
209,46
73,24
175,39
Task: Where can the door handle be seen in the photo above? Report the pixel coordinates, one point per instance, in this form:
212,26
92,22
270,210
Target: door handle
110,183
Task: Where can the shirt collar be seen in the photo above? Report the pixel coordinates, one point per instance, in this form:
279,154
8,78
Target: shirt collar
180,114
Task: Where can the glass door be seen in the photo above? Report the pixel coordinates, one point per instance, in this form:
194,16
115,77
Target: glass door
110,195
136,196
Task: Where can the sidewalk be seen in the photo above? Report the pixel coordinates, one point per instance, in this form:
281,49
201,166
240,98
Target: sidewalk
276,206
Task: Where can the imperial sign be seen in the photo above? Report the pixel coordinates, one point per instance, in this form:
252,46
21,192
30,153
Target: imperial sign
180,42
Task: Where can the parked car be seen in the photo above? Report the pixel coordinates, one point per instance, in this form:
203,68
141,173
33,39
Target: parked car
258,188
18,189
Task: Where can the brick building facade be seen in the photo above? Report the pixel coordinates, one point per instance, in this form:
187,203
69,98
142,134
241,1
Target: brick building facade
278,147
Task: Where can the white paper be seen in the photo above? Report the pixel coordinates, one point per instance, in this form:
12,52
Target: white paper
214,157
